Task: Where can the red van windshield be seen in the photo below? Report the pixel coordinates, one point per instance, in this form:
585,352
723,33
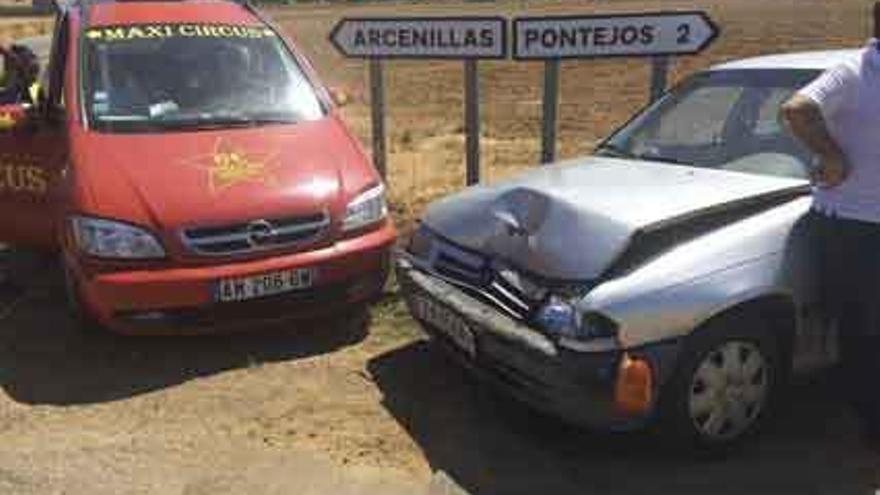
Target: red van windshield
173,76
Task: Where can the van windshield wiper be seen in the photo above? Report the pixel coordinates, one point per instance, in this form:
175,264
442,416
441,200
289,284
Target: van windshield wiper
222,120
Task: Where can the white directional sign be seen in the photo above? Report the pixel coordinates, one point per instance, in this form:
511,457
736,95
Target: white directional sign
618,35
422,37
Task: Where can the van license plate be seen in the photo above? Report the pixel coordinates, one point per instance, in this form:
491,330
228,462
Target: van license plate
266,284
446,321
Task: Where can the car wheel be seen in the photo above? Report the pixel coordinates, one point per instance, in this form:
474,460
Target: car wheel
83,321
724,386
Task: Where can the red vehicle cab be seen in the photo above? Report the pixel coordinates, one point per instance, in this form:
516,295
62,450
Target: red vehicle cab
191,170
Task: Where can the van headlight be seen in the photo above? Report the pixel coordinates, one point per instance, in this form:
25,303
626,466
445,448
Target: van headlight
109,239
367,208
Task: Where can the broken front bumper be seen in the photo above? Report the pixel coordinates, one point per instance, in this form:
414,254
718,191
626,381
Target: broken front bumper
576,386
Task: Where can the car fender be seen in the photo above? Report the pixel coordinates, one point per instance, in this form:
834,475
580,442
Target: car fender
678,291
678,310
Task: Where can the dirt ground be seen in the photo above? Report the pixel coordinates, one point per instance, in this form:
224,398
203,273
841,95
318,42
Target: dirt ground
360,405
366,397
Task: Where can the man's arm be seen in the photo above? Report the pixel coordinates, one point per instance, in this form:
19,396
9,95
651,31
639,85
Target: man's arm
804,118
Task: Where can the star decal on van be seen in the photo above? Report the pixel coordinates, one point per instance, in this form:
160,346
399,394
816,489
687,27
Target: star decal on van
228,166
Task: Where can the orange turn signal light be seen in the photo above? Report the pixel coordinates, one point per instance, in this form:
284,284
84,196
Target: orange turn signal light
634,389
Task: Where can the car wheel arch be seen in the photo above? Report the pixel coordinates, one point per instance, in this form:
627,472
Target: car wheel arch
777,309
777,312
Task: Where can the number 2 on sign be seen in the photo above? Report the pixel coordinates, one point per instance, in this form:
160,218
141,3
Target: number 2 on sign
684,34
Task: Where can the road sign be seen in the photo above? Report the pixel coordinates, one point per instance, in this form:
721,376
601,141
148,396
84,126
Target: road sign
465,38
656,35
616,35
422,37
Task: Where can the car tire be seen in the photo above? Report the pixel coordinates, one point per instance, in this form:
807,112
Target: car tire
83,320
724,386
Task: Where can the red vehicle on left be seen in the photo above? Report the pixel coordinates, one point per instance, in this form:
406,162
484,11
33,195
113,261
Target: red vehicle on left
191,170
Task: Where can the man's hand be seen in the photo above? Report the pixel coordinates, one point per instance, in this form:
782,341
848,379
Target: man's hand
832,171
805,120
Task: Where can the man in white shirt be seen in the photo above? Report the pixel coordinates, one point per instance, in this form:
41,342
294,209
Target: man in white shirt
837,116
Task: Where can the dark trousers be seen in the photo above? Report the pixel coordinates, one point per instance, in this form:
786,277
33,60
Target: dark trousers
849,263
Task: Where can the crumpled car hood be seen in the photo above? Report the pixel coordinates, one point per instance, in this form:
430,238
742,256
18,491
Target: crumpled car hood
571,221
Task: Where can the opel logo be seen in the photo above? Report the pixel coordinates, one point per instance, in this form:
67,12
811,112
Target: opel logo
260,233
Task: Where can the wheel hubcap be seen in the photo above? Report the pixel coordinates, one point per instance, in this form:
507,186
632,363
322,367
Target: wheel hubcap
728,390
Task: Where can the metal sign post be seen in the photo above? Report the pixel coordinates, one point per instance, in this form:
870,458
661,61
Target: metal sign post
377,107
658,35
467,38
659,76
877,19
551,110
472,121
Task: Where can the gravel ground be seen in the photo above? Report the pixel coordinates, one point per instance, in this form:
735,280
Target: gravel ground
356,405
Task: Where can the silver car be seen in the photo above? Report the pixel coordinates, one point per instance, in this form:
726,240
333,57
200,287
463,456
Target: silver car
668,277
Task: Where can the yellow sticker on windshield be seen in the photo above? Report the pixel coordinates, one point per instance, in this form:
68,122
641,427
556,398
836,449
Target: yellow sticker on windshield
160,31
229,166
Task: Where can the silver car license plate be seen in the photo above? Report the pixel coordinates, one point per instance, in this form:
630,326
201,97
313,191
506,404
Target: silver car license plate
446,321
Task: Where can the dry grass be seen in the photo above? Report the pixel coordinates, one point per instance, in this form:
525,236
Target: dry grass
425,97
16,27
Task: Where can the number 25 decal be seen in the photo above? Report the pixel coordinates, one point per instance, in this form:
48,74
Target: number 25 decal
684,34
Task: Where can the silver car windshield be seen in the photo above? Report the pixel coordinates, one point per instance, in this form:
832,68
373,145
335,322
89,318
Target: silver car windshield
720,119
174,76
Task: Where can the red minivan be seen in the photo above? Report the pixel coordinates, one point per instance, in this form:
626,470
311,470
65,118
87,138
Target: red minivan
192,172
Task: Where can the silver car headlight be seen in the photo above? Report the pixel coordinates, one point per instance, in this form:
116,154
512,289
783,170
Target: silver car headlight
560,318
109,239
367,208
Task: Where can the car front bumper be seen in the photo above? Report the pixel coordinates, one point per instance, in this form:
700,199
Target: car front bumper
181,300
578,387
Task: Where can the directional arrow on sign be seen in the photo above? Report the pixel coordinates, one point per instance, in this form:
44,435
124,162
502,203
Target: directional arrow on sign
421,37
618,35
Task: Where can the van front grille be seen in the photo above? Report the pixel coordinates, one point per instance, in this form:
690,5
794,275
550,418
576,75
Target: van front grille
256,235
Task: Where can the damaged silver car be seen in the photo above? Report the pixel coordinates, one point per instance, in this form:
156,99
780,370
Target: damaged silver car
667,279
